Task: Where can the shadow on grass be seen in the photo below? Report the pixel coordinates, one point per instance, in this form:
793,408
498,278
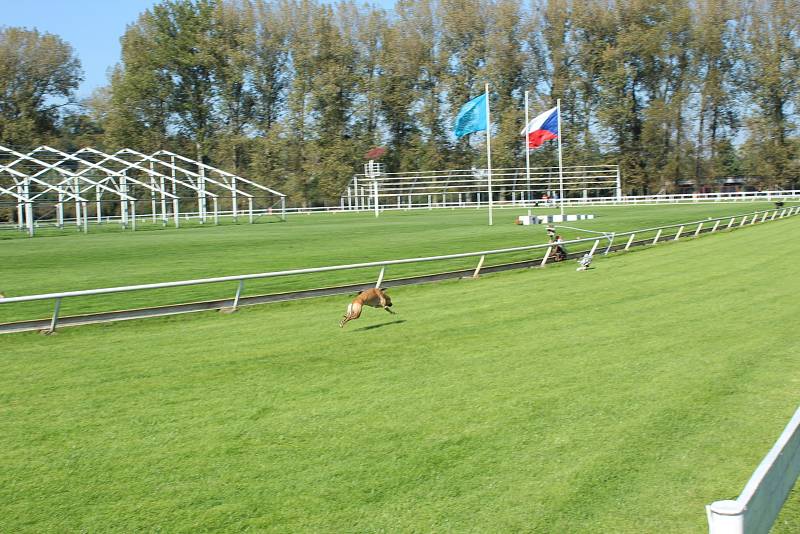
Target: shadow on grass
374,326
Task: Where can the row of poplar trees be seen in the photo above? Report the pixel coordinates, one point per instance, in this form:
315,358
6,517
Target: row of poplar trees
294,92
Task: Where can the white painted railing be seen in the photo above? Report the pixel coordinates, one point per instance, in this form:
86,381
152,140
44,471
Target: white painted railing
648,200
436,201
610,237
759,504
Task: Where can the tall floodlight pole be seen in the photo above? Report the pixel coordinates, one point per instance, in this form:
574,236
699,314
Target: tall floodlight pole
560,164
527,151
489,151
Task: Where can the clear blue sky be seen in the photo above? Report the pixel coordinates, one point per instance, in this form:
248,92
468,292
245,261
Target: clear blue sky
92,27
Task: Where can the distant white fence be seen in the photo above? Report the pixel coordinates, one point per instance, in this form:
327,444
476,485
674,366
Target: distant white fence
747,218
759,504
439,200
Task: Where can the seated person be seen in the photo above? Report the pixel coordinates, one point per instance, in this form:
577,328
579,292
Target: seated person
559,252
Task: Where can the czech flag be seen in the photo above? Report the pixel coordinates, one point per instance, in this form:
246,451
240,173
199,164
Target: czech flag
543,128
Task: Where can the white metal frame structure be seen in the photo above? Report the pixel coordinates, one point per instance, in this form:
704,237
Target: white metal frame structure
28,183
48,176
470,187
119,188
231,182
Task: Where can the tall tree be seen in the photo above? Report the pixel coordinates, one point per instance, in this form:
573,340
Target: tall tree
333,97
715,49
233,46
39,73
270,62
505,68
770,76
463,51
140,92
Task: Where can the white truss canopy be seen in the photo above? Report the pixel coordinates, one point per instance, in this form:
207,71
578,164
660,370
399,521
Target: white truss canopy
44,180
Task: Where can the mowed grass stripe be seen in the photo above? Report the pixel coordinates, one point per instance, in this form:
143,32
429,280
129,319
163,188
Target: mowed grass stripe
74,261
546,401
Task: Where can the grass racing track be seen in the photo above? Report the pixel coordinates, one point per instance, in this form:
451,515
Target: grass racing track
622,399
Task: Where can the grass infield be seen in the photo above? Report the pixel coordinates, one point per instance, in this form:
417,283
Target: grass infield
622,399
71,261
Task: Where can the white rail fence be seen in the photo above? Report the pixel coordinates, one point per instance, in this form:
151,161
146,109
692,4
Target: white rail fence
755,510
649,200
446,200
747,218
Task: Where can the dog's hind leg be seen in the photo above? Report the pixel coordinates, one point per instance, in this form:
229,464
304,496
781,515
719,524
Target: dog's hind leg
353,312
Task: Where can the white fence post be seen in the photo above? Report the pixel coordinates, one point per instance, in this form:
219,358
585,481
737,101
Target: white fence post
477,272
655,239
716,225
133,215
630,240
744,220
380,277
54,320
725,517
546,255
731,223
678,235
238,294
610,244
594,247
699,227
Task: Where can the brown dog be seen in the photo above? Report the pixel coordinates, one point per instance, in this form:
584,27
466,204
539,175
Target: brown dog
375,297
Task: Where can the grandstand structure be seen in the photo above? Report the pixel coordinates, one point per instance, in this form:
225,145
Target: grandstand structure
377,189
50,186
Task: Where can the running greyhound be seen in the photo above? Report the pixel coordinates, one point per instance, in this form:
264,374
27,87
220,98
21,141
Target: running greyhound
375,297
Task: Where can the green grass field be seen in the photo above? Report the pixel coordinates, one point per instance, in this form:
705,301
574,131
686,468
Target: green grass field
106,258
622,399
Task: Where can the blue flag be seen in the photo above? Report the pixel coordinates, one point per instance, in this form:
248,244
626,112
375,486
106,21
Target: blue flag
472,116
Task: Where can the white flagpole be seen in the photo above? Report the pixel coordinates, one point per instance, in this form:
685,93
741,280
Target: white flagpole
560,165
527,151
489,151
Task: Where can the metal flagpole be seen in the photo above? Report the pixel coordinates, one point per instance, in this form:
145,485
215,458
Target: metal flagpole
560,165
489,151
527,151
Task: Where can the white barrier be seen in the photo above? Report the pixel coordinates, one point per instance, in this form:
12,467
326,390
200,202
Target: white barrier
759,504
